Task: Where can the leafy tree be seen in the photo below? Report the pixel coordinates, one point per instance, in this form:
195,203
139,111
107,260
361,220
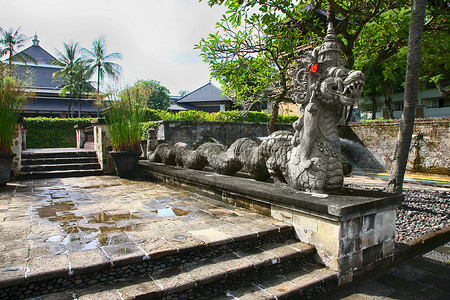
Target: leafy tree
381,51
435,66
10,42
398,168
158,95
101,64
267,33
252,54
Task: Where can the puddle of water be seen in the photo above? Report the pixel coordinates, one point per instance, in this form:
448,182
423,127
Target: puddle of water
180,237
109,218
124,251
88,230
64,206
135,227
55,239
90,245
103,239
69,217
107,229
171,212
47,212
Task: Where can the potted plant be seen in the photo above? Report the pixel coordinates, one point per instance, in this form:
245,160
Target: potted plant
13,97
124,119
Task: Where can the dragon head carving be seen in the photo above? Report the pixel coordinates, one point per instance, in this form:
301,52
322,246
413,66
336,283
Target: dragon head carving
322,75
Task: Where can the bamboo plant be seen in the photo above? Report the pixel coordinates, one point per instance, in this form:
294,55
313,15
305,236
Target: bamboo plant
13,97
124,119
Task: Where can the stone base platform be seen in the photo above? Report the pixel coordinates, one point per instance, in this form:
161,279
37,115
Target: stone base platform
353,230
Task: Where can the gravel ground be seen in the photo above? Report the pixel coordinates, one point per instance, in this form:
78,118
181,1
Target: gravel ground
422,212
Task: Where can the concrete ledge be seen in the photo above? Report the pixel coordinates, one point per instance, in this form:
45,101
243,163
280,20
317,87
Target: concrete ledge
340,206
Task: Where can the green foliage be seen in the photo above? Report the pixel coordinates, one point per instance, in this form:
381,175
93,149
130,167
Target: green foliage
287,119
145,127
221,116
52,132
13,97
124,118
158,95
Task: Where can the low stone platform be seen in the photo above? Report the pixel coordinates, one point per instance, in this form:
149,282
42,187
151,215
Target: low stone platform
109,238
353,230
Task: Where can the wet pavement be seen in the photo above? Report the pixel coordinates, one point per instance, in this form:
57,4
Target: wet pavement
63,225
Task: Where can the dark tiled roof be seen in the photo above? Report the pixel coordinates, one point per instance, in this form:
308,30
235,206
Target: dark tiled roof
59,105
39,54
206,93
39,77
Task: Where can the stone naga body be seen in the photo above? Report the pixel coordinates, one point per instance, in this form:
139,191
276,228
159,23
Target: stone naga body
308,159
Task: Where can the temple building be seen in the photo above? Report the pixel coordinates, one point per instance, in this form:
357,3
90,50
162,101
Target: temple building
47,101
207,98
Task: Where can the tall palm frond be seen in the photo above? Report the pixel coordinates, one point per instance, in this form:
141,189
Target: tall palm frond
10,42
100,62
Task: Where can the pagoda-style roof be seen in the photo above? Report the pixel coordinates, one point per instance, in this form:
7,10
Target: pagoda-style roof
204,94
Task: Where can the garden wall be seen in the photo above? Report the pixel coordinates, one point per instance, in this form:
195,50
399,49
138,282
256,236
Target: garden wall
225,133
430,146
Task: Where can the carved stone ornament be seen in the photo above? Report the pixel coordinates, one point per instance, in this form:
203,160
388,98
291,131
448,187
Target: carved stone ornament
308,159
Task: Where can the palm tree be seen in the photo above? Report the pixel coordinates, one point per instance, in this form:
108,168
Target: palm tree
74,74
10,42
67,62
100,62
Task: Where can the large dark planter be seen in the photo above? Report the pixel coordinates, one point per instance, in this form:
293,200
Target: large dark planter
5,167
126,163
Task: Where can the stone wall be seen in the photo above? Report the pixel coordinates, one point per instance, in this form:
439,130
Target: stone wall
225,133
17,145
430,146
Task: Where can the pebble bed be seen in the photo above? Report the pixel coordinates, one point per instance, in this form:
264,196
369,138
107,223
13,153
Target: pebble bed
421,212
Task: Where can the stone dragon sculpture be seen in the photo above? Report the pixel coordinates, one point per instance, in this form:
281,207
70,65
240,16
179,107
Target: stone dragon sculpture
308,159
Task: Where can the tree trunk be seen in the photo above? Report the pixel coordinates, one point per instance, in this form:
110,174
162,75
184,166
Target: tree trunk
374,107
79,107
388,103
398,167
98,91
273,117
71,104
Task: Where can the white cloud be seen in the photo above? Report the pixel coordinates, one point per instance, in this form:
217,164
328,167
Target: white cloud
156,37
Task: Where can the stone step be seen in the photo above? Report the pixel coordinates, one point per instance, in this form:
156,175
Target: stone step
59,160
279,270
61,272
60,167
59,174
58,154
308,282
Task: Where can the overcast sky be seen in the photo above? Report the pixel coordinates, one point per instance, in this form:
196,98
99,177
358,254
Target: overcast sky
155,37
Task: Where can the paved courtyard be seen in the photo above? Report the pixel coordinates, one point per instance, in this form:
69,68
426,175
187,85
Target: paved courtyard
64,225
61,225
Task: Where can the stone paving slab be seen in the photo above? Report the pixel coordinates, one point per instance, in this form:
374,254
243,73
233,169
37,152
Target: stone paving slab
77,225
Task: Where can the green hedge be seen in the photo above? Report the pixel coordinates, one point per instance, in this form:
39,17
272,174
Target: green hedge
59,133
52,132
221,116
